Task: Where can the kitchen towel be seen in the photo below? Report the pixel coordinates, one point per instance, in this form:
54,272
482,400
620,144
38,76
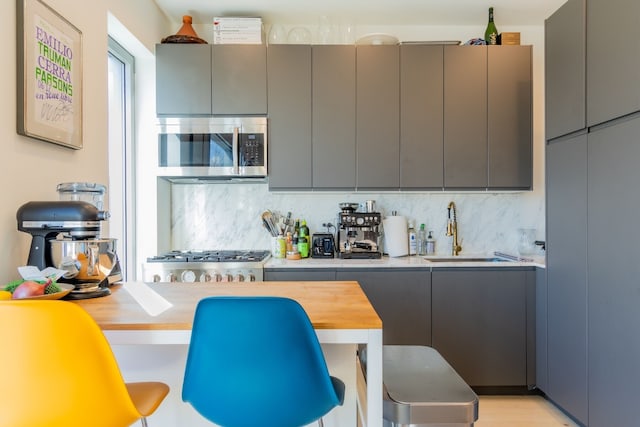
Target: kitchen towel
396,237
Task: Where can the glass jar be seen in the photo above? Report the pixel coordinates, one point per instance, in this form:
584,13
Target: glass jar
83,191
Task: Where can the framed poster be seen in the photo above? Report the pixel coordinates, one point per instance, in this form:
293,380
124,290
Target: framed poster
49,74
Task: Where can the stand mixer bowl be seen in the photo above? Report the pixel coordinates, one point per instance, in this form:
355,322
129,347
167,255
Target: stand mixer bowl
90,263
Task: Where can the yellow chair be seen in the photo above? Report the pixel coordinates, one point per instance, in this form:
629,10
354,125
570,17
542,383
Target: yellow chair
57,370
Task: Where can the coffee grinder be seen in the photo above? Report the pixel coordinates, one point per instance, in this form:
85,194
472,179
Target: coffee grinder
66,235
358,233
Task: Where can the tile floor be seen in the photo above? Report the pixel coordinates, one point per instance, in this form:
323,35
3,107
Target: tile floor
520,411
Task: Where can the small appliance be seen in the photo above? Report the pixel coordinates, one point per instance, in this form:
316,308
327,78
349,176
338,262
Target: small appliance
322,245
66,235
206,266
212,147
358,233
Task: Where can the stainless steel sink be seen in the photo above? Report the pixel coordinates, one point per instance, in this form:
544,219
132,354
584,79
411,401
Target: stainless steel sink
463,259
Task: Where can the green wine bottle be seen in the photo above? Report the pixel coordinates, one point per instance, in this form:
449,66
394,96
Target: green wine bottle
491,33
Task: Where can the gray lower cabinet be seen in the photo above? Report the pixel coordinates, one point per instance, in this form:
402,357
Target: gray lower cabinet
377,117
614,272
613,59
480,322
334,117
509,130
211,79
565,78
421,116
566,245
299,274
465,117
183,79
289,83
402,299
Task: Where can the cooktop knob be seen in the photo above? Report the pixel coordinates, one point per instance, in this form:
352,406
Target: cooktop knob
238,278
188,276
227,278
157,278
251,277
205,277
216,278
171,278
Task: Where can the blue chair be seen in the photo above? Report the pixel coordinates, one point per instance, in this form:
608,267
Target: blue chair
256,361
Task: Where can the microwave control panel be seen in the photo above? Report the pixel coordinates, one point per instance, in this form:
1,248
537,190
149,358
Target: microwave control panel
251,149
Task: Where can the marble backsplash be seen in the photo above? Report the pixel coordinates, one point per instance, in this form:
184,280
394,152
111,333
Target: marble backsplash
227,216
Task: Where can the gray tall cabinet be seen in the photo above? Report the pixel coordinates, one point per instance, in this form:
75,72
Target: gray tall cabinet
614,273
592,180
566,305
613,60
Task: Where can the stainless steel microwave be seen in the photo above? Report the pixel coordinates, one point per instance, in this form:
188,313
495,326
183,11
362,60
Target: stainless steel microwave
211,147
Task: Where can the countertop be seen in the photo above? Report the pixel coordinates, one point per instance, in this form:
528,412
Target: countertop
329,305
403,262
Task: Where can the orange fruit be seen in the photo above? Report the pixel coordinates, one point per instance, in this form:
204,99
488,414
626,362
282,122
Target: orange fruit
5,295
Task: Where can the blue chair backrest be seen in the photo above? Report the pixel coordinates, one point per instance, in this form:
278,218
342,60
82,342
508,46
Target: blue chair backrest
256,361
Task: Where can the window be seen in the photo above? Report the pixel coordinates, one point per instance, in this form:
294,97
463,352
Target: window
120,190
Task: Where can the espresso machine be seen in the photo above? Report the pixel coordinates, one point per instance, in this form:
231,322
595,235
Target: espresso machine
65,235
358,233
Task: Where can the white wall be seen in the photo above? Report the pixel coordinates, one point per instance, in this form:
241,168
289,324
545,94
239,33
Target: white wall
223,216
30,169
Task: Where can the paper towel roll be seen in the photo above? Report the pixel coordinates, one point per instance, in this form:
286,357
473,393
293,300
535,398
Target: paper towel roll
396,237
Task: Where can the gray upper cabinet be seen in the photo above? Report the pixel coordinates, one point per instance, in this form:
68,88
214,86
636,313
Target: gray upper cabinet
613,272
289,83
344,117
334,117
510,128
204,80
566,246
183,79
421,117
465,117
613,59
377,117
239,79
565,79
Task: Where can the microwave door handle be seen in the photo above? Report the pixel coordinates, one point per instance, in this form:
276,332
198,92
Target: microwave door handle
236,152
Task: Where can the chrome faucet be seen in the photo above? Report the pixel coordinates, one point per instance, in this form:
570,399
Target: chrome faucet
452,229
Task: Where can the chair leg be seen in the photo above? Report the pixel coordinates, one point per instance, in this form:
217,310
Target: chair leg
143,421
320,422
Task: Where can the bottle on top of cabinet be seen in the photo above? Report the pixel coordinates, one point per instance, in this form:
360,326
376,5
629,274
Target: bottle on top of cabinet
491,33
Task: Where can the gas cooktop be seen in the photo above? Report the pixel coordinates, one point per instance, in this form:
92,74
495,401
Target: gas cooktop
211,256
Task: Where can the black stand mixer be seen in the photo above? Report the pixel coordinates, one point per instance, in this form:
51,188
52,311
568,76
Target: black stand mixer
66,235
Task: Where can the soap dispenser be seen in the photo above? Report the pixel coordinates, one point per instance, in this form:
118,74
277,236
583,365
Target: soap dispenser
430,244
